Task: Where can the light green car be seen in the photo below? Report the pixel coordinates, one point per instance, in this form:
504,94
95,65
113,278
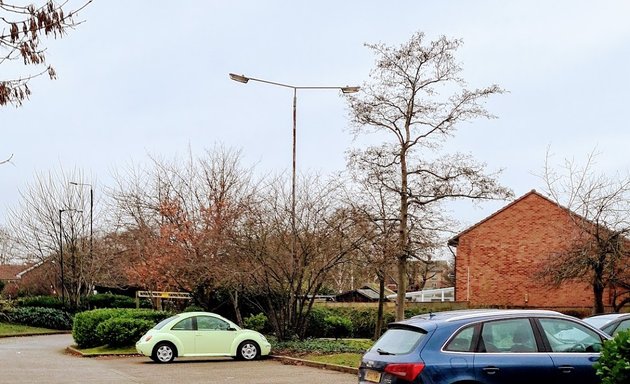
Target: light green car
201,334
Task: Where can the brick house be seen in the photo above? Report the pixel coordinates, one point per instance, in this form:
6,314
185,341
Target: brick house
31,279
498,258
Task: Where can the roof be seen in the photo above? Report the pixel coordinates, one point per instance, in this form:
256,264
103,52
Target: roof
450,316
10,272
455,240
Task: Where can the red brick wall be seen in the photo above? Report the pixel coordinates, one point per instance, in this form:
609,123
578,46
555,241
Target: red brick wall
497,259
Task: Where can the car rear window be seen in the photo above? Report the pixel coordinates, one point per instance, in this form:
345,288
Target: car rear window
398,341
162,323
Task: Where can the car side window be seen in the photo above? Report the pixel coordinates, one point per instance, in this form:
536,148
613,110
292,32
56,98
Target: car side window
513,335
208,323
184,325
624,325
568,336
462,342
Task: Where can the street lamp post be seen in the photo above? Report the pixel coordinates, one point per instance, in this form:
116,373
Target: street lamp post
63,280
345,90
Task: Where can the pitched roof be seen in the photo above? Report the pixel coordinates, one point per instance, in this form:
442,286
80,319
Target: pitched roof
10,272
455,240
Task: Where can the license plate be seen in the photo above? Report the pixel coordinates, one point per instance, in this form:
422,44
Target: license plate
372,376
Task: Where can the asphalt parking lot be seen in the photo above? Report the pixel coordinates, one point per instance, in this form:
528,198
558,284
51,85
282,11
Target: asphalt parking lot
42,359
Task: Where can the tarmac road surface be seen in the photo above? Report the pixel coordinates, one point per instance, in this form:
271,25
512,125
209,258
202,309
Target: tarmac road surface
42,359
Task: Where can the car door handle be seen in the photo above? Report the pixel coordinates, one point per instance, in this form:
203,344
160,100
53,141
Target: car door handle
491,370
566,368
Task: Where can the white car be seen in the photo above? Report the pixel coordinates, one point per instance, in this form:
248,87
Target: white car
201,334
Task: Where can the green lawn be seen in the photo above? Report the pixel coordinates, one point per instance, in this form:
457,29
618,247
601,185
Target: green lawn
7,329
108,350
347,359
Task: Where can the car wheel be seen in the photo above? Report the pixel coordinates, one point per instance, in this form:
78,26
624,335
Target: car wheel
248,350
163,353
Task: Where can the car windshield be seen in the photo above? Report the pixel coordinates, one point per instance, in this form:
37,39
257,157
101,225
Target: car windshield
162,323
599,321
398,341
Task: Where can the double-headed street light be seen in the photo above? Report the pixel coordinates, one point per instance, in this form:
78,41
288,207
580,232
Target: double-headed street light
63,280
345,90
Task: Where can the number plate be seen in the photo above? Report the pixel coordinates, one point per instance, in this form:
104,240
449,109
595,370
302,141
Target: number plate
372,376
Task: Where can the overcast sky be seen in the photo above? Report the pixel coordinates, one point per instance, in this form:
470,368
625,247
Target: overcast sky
151,77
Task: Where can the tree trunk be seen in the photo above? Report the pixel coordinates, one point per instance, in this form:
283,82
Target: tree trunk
381,299
598,296
403,239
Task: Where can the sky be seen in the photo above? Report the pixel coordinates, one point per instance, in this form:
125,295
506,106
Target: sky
150,77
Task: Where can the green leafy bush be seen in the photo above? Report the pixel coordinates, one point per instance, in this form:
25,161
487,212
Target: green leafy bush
316,324
193,308
613,365
256,322
110,300
338,326
122,331
41,317
40,301
85,323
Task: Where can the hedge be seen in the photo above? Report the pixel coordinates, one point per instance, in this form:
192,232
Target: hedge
40,301
122,331
41,317
613,366
109,300
86,323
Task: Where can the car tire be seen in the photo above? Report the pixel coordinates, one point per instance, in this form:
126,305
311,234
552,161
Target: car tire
248,350
164,352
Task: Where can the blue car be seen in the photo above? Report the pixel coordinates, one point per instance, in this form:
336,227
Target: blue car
485,347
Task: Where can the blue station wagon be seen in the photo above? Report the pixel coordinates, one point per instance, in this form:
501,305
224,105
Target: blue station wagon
485,347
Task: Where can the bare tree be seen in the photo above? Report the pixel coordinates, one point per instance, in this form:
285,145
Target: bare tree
288,282
21,32
7,247
597,246
51,219
417,98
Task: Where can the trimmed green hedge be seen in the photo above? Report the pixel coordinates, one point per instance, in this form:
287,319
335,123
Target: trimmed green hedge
40,301
41,317
123,331
613,366
86,323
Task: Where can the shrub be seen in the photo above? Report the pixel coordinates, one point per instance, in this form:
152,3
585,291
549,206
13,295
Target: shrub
613,365
40,301
256,322
41,317
316,324
109,300
338,326
193,308
122,331
85,323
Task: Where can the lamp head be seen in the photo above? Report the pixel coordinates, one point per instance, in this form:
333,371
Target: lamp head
347,89
239,78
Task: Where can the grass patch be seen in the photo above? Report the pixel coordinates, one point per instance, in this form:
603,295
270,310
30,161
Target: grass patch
346,359
7,329
321,347
105,350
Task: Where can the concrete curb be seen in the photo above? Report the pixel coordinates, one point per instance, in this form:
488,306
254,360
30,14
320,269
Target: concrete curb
73,351
315,364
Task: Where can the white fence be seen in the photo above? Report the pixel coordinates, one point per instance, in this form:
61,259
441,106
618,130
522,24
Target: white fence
429,295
